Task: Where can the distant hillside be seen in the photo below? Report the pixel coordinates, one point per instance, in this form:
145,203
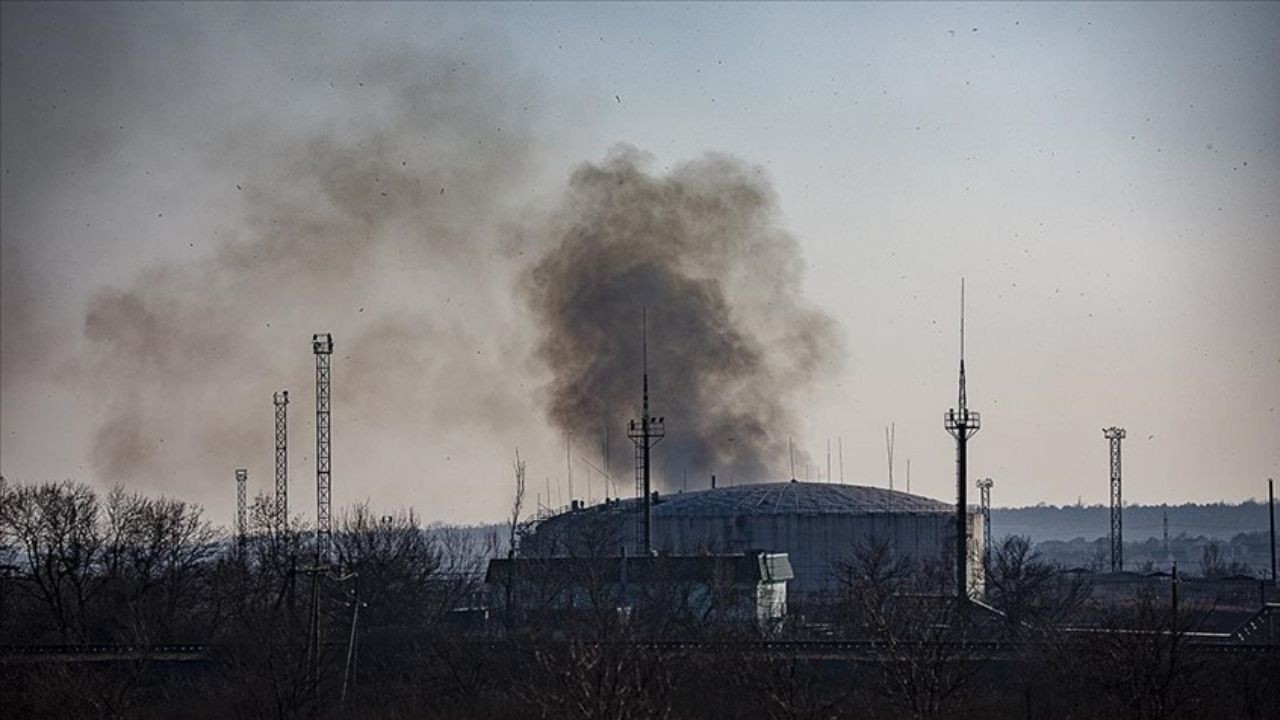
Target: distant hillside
1052,522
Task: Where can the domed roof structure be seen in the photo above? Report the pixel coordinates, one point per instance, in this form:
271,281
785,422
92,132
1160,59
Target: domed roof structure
800,498
818,525
782,498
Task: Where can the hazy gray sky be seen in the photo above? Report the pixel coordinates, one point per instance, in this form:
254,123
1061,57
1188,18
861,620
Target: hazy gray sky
1103,175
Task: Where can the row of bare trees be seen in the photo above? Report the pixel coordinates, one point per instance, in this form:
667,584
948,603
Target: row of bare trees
397,628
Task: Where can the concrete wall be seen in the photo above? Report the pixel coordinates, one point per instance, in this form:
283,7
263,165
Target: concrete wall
814,542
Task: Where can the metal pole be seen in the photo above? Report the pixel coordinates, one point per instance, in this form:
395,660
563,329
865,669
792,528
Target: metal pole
351,642
1271,510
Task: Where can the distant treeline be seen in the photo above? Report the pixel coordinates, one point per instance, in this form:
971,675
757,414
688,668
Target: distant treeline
1041,523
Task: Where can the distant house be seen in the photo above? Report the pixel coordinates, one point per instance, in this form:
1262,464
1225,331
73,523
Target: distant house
692,589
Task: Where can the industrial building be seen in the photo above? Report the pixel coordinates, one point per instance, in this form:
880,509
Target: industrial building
817,525
749,587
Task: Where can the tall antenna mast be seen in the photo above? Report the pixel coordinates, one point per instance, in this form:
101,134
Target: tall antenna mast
281,402
908,474
1115,435
828,459
645,433
322,346
840,441
791,452
242,478
962,424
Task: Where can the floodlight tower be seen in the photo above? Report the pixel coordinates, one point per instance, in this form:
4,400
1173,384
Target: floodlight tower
281,402
963,424
645,433
1115,435
242,478
322,346
984,487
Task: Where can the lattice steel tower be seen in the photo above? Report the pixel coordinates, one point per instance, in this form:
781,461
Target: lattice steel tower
281,401
1115,435
645,433
242,479
962,424
322,346
984,488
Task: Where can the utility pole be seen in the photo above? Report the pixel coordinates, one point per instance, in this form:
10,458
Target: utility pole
1165,522
963,424
645,433
242,478
1115,435
984,488
322,347
281,402
1271,510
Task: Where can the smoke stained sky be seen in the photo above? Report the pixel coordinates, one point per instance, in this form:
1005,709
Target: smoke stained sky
1103,175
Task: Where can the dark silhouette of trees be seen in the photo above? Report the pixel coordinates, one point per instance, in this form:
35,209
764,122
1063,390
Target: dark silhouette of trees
400,626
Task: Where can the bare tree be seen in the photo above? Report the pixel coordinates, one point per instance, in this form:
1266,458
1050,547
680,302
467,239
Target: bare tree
55,526
1030,591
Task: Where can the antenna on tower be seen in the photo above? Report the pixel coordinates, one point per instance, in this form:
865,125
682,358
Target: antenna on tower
281,402
962,424
840,442
890,436
568,466
242,478
645,433
322,346
791,451
1115,435
984,486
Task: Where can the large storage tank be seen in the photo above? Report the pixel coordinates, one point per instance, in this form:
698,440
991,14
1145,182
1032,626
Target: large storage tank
816,524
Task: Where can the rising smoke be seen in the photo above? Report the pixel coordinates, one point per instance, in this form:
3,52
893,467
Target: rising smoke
731,339
379,224
374,193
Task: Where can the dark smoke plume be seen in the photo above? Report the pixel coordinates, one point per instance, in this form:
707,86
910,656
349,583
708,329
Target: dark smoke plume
377,225
731,338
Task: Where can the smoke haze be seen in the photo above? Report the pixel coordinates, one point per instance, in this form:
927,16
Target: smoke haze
189,191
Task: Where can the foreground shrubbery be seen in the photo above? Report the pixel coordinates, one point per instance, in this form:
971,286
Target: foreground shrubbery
122,568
